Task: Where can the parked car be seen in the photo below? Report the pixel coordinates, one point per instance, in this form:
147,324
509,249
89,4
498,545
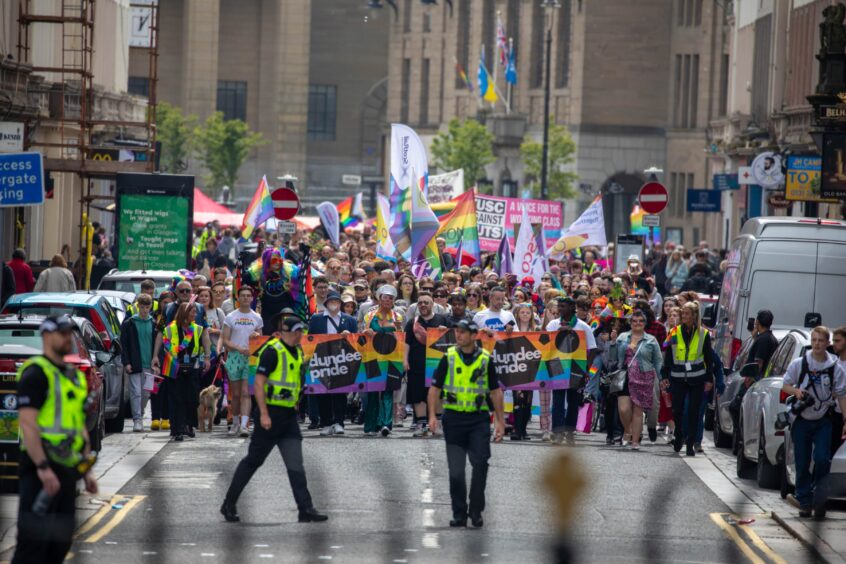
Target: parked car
20,340
119,300
760,443
790,265
100,313
723,418
130,280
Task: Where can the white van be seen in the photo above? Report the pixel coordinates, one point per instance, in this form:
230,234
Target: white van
792,266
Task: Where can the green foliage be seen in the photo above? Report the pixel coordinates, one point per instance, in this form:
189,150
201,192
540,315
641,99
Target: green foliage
176,134
561,152
223,146
467,145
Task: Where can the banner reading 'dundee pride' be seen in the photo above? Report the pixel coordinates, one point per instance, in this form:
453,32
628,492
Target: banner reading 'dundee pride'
496,216
541,360
346,363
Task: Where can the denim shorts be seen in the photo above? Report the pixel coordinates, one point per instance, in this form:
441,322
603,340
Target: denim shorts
237,366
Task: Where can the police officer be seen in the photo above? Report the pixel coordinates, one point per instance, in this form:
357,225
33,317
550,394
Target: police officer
816,374
277,392
464,380
51,401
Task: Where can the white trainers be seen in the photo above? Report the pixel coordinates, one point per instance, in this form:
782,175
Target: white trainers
327,431
420,430
245,432
137,427
339,429
233,430
546,436
385,431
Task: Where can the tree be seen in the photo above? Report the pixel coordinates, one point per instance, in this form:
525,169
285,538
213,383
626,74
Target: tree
467,145
561,152
223,146
176,134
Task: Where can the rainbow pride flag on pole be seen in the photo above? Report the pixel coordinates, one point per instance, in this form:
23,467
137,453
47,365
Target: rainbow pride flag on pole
351,211
424,247
460,231
638,228
259,210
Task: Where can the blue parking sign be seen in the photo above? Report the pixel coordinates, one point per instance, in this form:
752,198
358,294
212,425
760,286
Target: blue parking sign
21,179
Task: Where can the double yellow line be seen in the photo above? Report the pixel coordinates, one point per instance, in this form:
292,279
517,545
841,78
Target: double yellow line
116,516
764,553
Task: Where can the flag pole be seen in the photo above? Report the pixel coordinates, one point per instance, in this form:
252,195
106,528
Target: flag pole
508,88
495,57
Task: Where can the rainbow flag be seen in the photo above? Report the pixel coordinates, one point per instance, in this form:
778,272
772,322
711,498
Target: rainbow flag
459,229
463,75
400,228
259,210
351,211
638,228
424,223
170,366
384,246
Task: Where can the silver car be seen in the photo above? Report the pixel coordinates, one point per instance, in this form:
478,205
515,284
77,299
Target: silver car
723,418
761,444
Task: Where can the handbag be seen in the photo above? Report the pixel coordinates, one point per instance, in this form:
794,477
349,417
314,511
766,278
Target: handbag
617,379
585,420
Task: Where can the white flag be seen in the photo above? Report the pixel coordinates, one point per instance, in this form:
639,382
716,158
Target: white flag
331,221
588,229
524,254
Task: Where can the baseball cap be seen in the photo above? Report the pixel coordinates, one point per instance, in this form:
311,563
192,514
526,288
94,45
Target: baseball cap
360,284
633,258
528,280
566,300
346,298
387,290
56,323
467,325
457,297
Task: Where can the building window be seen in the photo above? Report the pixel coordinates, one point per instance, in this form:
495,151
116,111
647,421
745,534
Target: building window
686,95
489,33
232,99
512,23
679,183
538,27
322,101
724,85
761,69
139,85
688,13
424,92
563,47
462,47
427,22
404,92
406,16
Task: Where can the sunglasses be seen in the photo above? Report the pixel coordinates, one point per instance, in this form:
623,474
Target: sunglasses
473,295
427,288
184,291
439,295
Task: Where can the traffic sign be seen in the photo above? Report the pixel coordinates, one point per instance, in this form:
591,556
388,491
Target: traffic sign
21,179
286,227
286,203
653,197
651,220
351,179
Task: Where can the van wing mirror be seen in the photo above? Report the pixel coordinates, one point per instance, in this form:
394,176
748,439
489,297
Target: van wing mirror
813,320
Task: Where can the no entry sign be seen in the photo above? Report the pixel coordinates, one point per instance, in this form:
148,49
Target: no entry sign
286,203
653,197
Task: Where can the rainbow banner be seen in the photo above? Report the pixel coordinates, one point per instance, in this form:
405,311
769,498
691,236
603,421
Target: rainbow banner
424,224
638,228
460,231
169,367
259,210
541,360
353,363
351,211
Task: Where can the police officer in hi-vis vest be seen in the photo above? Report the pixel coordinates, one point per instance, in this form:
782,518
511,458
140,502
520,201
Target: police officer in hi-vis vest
54,447
463,381
279,380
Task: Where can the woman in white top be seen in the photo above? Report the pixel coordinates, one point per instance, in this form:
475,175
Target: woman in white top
56,278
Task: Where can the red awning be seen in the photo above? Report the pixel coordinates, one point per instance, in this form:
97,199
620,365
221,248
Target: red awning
207,210
204,204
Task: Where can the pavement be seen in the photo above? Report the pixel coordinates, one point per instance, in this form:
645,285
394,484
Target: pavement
388,501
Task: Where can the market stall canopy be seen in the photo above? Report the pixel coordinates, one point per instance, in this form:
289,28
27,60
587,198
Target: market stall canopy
207,210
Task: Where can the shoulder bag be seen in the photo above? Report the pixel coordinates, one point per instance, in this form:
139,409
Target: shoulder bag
617,379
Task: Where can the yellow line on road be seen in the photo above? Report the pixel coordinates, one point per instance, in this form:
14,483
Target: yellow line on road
119,516
96,518
762,546
732,534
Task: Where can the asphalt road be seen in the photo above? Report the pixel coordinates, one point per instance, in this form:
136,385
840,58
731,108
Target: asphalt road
388,501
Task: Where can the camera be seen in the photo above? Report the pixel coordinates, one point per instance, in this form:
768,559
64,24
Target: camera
794,407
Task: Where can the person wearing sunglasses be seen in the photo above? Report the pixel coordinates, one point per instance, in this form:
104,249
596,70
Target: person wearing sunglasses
474,299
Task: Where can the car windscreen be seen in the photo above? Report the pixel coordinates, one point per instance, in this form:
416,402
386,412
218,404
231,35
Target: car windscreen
132,285
27,337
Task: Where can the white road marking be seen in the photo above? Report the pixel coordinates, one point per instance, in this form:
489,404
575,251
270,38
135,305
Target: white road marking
400,560
265,556
336,547
187,544
149,553
410,550
324,557
431,540
428,517
261,545
111,542
207,554
85,551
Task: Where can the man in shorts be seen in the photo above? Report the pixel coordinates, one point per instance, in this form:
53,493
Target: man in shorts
238,327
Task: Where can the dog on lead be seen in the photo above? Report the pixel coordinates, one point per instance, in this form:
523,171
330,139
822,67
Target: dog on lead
208,408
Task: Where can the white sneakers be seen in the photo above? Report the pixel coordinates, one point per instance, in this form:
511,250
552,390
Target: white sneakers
327,431
137,427
339,429
420,430
233,430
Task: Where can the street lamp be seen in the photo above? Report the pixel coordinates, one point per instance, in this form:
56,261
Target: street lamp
548,6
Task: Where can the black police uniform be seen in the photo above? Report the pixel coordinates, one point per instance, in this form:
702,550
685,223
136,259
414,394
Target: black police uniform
466,434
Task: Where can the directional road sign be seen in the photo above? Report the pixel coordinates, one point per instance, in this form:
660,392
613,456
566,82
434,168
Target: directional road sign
286,203
653,197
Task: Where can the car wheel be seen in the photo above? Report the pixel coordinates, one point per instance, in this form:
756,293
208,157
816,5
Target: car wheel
115,424
768,475
735,439
745,468
721,440
99,430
